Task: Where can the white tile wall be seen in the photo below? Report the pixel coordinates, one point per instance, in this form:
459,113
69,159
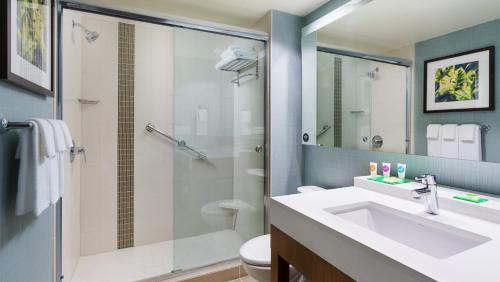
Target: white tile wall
99,136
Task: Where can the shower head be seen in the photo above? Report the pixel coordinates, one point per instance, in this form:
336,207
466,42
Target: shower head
90,35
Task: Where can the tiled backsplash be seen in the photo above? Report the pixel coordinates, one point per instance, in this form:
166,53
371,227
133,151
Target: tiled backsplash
333,168
126,47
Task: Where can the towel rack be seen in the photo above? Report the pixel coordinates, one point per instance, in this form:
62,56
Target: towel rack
6,125
181,143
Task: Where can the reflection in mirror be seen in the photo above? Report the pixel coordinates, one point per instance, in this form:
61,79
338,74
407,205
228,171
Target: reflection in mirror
397,76
356,98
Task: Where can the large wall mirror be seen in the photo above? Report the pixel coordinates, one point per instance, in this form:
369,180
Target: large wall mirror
405,76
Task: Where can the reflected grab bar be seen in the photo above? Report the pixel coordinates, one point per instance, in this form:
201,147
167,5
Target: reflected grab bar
182,144
323,130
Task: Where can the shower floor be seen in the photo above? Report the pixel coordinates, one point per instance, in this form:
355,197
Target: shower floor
152,260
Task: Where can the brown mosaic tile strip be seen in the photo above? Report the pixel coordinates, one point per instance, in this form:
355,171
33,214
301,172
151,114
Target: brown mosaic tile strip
126,49
337,103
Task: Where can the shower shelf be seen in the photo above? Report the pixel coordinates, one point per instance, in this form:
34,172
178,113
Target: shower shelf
88,102
240,65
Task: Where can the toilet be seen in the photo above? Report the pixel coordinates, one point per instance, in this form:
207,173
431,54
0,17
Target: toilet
255,254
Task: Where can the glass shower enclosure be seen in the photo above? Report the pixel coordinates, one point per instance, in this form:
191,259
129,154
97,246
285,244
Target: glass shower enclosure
218,201
172,124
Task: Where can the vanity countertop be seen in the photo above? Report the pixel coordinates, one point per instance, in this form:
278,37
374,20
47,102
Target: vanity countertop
368,256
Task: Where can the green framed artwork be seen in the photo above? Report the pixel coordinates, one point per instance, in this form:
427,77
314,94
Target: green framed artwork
26,55
460,82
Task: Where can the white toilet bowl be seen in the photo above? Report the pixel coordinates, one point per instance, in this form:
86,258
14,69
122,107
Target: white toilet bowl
255,254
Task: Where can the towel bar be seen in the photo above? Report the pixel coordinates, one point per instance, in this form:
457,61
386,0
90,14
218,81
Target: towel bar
6,125
485,128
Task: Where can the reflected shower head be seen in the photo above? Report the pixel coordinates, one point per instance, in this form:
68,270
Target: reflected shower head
90,35
373,74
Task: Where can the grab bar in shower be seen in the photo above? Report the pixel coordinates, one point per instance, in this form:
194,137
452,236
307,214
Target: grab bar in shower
181,143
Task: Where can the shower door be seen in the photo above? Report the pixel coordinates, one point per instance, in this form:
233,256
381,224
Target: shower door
218,187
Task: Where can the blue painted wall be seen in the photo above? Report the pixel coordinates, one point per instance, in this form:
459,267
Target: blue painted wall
286,103
25,241
476,37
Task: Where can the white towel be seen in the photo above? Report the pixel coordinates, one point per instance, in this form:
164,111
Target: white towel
433,131
449,141
237,51
58,136
246,122
69,144
47,141
449,132
202,122
57,172
33,191
233,55
434,140
470,146
67,134
467,132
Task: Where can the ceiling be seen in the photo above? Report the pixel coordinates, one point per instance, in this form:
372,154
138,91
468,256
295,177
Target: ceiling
385,25
242,13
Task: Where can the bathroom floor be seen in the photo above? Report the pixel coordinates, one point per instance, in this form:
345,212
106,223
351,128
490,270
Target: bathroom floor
152,260
245,279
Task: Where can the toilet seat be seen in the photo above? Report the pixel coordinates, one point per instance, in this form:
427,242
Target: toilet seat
257,251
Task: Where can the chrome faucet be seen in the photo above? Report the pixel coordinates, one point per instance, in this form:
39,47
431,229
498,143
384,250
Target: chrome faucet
428,193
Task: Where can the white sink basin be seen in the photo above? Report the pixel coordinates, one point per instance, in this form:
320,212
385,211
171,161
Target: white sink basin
432,238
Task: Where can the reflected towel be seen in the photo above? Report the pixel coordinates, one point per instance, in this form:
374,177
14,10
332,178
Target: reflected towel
470,144
434,140
449,141
449,132
467,132
433,131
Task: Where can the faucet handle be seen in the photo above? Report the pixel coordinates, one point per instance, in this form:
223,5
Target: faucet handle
427,179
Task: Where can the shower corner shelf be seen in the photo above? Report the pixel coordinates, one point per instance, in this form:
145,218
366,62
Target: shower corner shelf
240,65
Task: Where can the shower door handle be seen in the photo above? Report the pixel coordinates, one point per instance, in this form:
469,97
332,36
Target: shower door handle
259,148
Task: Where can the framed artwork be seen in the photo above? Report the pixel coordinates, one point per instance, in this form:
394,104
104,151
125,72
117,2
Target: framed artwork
26,51
460,82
